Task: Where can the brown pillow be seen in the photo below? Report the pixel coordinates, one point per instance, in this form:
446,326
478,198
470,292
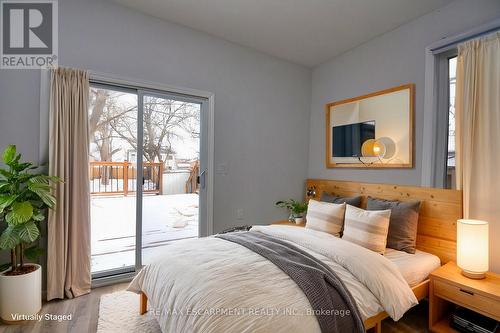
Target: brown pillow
403,223
327,197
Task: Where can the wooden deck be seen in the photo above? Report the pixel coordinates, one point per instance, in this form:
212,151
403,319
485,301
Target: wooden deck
114,178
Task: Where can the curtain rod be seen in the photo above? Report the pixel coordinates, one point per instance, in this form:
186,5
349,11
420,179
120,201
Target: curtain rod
449,43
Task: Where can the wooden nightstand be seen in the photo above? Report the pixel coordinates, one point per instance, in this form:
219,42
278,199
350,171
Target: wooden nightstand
286,222
448,288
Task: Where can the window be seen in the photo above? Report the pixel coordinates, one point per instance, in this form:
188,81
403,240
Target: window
438,153
443,149
443,171
450,162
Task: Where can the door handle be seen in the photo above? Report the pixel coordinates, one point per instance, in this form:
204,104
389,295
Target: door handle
202,179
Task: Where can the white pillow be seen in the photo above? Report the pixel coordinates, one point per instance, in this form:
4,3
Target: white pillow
325,216
367,228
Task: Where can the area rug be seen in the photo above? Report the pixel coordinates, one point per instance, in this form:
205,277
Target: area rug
119,312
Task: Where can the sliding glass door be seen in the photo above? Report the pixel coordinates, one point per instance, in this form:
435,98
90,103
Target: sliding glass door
113,178
171,166
147,170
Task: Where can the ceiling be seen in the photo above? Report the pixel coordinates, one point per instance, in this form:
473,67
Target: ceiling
306,32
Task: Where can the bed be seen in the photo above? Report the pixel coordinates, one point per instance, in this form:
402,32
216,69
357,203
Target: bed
214,273
415,268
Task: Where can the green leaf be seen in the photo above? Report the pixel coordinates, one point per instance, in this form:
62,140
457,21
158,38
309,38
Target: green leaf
37,203
9,238
39,179
6,174
55,179
38,216
39,186
23,177
21,213
28,232
9,154
22,166
6,201
32,253
43,192
3,185
45,179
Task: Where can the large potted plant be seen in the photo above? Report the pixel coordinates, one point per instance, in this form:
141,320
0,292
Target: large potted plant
24,198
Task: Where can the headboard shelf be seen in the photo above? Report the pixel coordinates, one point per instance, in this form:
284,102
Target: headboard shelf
440,209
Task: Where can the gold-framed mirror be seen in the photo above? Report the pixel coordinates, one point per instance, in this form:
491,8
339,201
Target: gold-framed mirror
371,131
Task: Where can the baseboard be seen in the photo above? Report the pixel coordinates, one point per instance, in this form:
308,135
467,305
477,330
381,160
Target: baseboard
109,280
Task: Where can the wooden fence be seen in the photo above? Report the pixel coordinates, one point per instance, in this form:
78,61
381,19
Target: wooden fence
191,185
115,178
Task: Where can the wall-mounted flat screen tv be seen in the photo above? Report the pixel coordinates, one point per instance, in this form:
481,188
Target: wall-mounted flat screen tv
348,139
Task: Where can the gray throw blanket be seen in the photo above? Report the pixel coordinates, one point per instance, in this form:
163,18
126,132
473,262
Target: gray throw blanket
321,285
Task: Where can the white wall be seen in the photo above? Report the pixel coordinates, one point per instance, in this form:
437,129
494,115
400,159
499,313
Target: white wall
261,103
392,59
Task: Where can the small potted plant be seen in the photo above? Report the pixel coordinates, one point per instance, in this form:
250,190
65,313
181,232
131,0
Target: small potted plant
24,197
296,209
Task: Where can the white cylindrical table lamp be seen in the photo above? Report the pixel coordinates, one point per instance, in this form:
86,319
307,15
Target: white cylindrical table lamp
472,248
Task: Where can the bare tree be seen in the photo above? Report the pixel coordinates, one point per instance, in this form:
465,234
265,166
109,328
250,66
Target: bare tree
161,117
104,110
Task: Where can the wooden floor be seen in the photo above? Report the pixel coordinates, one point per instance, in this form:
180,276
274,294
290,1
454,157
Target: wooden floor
414,321
85,312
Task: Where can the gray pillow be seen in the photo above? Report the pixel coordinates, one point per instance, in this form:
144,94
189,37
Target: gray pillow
403,223
354,201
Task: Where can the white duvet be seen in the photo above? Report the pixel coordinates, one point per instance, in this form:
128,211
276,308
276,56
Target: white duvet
213,285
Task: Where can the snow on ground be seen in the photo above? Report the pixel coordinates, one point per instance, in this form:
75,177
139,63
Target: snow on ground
165,218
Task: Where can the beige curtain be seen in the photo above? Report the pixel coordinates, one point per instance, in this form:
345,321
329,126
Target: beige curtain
478,134
68,249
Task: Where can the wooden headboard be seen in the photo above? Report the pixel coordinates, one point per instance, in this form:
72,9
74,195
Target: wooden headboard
439,211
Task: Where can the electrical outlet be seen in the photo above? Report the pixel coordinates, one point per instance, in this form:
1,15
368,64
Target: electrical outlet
240,214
